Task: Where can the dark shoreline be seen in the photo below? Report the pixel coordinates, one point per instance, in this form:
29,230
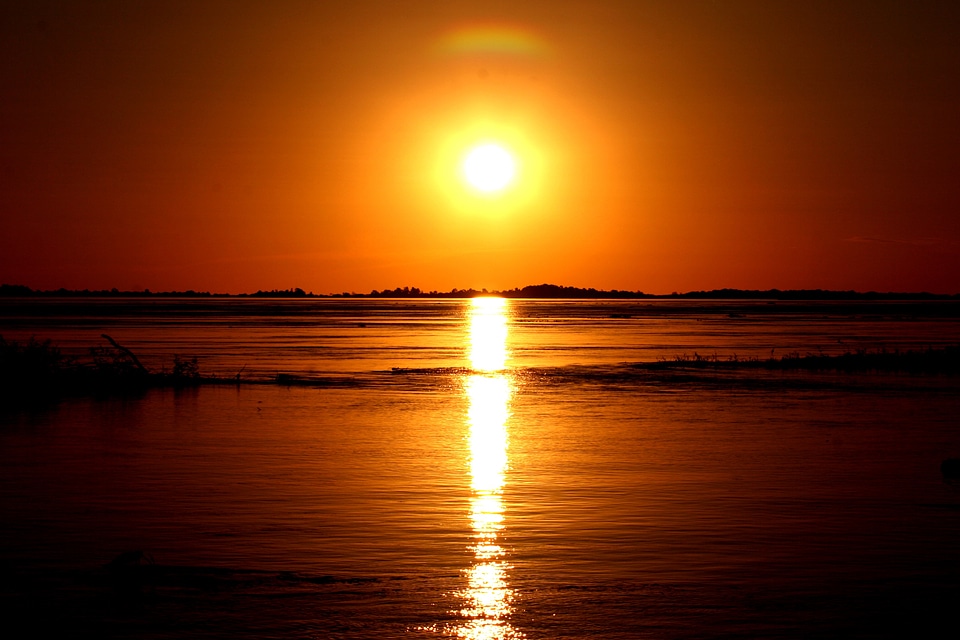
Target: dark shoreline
36,373
534,292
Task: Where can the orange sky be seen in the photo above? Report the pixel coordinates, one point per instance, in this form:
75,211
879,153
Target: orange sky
664,146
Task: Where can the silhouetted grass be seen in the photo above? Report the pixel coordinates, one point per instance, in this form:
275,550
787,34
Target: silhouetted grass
943,360
35,372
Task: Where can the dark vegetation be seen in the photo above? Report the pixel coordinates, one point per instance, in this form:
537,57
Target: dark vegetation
35,372
945,360
539,291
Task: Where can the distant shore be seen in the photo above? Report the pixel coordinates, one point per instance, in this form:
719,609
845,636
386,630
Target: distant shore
540,291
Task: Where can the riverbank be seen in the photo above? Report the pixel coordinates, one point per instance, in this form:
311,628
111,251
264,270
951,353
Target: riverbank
35,372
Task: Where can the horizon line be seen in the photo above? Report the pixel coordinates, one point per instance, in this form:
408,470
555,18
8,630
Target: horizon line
540,291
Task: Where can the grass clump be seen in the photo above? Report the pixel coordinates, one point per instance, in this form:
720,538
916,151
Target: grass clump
35,372
943,360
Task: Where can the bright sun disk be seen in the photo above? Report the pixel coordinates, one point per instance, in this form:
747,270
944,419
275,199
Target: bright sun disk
489,167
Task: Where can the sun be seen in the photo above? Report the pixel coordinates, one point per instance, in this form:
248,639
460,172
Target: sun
489,168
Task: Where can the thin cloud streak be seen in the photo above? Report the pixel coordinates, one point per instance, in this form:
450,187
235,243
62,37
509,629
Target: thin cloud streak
914,242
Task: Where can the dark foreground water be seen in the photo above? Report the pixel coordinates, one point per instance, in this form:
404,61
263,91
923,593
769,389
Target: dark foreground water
509,479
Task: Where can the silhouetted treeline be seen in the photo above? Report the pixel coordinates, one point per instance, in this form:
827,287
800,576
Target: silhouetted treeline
541,291
530,291
280,293
806,294
557,291
19,290
415,292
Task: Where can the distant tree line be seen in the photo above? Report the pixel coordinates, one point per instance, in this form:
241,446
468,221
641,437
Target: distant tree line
19,290
539,291
281,293
807,294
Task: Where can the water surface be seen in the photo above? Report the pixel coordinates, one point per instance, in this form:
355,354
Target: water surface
507,481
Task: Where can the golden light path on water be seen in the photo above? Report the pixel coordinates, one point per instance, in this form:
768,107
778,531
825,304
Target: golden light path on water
488,596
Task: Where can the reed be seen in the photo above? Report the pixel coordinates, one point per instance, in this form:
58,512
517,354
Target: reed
944,360
37,372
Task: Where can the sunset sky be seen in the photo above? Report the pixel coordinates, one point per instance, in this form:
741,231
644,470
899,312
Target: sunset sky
660,146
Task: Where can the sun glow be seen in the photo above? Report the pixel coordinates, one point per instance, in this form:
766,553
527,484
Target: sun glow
489,168
513,184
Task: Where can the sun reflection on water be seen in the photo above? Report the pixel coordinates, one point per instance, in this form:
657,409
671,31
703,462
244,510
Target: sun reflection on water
488,335
488,597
